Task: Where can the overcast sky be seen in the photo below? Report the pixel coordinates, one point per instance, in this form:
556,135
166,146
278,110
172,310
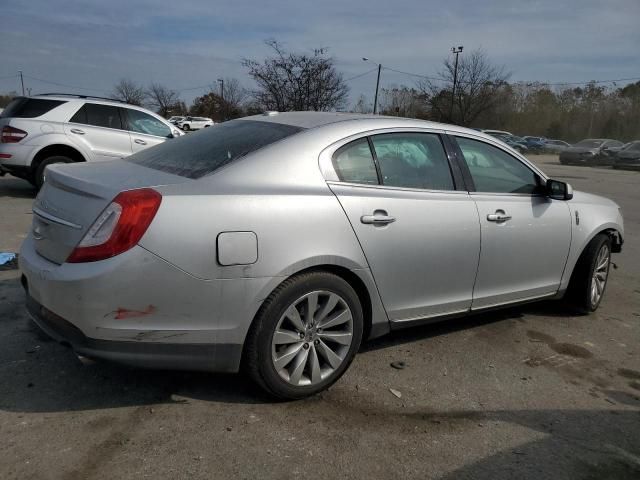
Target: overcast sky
186,44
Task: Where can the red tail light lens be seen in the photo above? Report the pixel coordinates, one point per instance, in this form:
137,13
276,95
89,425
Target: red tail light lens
11,134
119,227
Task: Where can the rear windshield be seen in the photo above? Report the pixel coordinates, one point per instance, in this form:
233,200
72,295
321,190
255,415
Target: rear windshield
22,107
589,143
198,154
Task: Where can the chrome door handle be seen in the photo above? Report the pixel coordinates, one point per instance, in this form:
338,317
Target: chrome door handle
140,142
77,131
380,219
500,216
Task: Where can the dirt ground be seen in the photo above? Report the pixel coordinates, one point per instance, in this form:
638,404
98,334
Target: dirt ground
527,393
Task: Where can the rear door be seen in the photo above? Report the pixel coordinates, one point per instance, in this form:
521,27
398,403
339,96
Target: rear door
420,235
145,130
99,129
525,236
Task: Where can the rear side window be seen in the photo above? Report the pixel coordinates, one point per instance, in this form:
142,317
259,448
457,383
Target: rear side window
413,160
22,107
354,163
202,153
98,116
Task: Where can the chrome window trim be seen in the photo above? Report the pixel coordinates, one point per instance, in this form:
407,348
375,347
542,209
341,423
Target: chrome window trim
392,188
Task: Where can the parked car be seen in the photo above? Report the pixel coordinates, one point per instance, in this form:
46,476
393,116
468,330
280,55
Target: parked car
555,146
515,142
45,129
195,123
535,144
588,152
211,251
496,132
175,120
629,156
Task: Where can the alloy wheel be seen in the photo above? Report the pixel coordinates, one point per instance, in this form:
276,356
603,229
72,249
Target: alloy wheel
312,338
600,274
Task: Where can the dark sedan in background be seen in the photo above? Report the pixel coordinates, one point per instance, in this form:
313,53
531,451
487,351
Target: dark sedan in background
589,152
629,156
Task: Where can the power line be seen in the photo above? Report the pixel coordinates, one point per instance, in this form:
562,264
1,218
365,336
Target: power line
9,76
540,82
362,74
65,85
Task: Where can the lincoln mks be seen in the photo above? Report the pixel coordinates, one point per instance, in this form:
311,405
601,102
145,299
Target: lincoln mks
276,244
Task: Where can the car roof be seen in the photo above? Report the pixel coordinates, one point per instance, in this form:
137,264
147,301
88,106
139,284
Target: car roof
82,98
309,120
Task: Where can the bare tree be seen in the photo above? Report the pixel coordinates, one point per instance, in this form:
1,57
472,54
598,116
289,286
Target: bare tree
477,89
362,105
162,98
403,102
129,91
294,81
233,98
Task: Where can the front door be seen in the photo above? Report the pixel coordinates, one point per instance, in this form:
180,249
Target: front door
420,236
525,236
99,129
145,130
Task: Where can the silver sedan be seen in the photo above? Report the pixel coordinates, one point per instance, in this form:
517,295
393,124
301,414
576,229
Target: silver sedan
277,243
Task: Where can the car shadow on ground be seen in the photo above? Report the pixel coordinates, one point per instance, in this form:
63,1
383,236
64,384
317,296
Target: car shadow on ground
16,188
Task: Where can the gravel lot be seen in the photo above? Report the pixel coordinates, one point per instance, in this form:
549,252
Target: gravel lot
530,392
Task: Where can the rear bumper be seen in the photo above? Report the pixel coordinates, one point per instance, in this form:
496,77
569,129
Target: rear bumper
173,356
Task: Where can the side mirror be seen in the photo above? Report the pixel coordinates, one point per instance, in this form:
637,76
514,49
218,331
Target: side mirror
559,190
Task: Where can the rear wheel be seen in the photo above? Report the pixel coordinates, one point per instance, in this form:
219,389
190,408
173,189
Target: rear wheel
186,127
39,176
305,335
589,279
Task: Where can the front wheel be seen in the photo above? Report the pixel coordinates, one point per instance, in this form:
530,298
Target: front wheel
305,335
590,275
186,127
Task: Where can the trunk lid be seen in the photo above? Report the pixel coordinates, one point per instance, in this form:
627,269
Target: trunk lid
74,195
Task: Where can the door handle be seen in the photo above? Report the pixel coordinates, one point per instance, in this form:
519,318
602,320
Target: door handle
499,217
77,131
379,217
140,142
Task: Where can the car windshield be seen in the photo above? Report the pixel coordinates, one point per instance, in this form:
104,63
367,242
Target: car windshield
200,154
589,143
633,147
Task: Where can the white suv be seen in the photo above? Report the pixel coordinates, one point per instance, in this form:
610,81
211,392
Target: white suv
195,123
58,128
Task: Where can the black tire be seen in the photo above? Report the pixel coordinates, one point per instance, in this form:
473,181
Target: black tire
578,296
40,170
257,358
186,127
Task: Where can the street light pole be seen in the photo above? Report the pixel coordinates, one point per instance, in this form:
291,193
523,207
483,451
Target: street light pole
457,51
221,81
375,100
21,82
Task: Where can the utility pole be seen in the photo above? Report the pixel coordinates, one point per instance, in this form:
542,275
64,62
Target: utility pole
375,100
221,81
21,82
457,51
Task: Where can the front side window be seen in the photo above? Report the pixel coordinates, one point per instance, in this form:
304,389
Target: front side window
413,160
98,116
495,171
141,122
354,163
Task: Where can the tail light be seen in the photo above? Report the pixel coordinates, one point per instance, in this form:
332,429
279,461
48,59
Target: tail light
11,134
119,227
